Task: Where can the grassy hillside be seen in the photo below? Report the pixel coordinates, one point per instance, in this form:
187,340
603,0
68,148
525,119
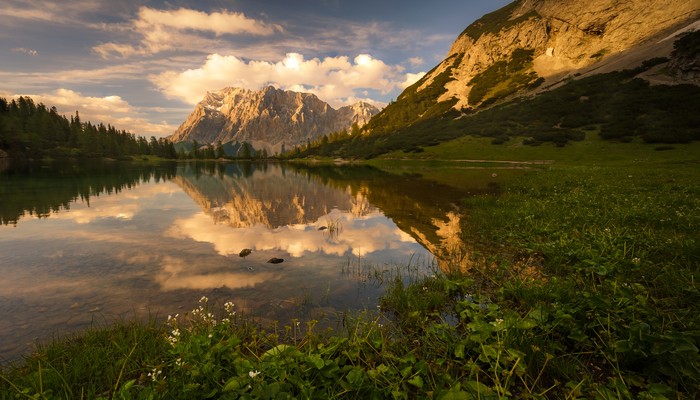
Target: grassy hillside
415,105
496,21
614,106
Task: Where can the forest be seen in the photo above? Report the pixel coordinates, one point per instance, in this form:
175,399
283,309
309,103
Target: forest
30,130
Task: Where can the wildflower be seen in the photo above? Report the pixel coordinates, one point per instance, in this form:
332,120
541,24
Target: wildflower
204,299
228,306
174,337
155,374
636,261
253,374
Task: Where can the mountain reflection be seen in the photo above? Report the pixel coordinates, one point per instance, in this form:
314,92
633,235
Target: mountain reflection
280,207
272,196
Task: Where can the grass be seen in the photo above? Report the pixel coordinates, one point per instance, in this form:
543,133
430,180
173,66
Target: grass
583,284
590,151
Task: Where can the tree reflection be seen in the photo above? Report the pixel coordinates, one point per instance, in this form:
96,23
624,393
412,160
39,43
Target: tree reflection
42,189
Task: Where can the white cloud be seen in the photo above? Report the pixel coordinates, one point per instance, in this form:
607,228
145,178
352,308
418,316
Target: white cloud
416,61
333,79
25,50
109,110
223,22
411,79
162,30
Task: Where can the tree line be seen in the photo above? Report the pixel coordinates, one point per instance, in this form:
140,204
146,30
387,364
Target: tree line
34,131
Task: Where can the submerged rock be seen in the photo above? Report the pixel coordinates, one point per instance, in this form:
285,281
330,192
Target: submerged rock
275,260
245,252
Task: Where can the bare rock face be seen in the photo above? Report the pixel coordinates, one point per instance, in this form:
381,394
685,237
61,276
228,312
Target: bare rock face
269,118
564,35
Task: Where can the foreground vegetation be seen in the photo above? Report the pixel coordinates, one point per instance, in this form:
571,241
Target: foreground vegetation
583,283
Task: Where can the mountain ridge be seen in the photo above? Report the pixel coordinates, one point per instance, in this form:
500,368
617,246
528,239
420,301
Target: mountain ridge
269,118
556,39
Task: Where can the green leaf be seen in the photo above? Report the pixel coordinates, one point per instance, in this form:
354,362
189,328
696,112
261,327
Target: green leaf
232,384
277,351
526,324
489,351
622,346
355,377
317,361
456,393
459,351
661,347
416,381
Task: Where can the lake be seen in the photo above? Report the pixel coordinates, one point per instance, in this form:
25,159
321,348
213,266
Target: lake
88,244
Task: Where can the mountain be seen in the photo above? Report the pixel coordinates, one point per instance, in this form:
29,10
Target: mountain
534,45
270,118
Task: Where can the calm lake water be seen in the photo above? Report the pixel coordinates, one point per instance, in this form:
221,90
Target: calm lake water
84,245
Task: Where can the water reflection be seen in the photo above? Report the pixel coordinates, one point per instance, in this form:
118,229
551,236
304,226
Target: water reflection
80,243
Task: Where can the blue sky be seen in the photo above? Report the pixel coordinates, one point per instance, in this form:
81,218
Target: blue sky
142,66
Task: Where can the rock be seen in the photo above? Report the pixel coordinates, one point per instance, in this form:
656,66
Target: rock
245,252
269,118
565,35
275,260
323,228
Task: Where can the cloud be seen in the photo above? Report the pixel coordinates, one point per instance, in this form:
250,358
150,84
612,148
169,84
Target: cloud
416,61
223,22
333,79
411,79
109,110
162,30
24,50
65,12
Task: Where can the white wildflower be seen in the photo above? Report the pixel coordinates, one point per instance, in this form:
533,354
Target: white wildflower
253,374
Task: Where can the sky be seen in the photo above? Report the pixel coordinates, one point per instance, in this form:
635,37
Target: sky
142,66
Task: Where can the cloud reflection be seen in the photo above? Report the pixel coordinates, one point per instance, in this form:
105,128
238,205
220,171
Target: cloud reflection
358,235
123,207
177,273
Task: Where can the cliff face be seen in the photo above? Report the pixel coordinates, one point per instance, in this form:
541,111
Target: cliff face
531,44
564,35
269,118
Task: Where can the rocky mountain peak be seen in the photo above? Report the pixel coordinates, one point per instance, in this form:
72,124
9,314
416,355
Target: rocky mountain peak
269,118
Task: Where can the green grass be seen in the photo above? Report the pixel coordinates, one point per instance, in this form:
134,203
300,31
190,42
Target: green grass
582,284
591,150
